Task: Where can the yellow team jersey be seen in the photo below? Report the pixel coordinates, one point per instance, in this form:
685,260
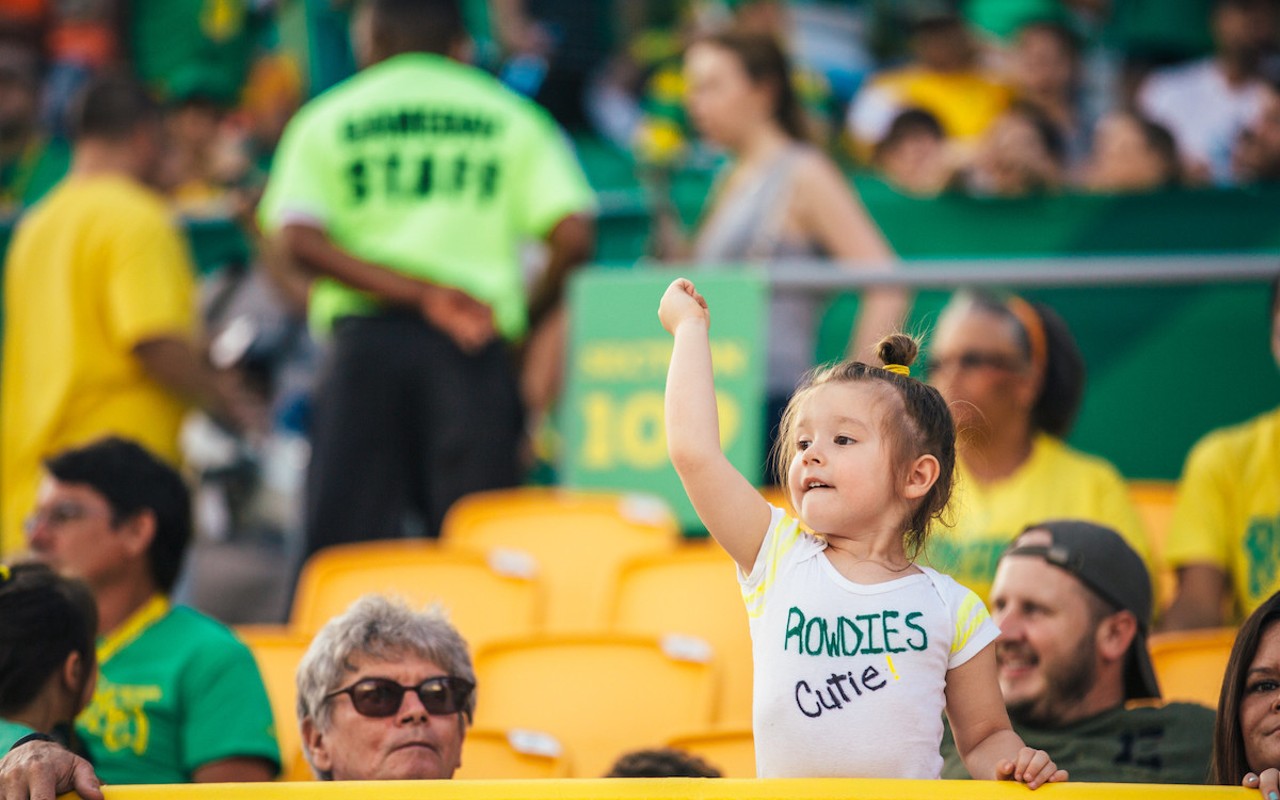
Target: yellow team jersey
966,103
1056,482
1228,508
93,270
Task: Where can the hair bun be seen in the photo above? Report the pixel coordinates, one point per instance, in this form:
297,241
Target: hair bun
898,348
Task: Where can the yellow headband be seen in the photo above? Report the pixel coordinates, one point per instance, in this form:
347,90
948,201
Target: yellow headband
5,572
897,369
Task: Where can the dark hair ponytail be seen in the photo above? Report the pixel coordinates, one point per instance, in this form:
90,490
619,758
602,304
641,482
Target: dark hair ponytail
1062,389
43,618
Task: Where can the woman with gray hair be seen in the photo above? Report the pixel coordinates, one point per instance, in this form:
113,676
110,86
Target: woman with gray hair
385,693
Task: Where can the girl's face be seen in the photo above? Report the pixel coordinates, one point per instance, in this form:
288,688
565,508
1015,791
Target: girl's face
980,369
1260,703
917,163
723,102
841,478
1122,161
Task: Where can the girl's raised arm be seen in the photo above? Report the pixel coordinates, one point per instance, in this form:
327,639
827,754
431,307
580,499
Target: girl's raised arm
733,511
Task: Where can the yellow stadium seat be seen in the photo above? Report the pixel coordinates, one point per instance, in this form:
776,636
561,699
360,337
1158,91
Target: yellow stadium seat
731,750
777,496
487,598
1190,665
600,694
576,539
512,755
278,651
1154,501
693,591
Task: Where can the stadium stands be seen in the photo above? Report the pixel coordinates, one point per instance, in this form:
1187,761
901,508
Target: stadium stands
691,591
575,540
1190,664
601,695
487,597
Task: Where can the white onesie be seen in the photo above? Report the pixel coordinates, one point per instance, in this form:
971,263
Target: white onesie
849,678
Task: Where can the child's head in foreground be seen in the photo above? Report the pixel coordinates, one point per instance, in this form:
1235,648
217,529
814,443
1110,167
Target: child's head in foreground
861,445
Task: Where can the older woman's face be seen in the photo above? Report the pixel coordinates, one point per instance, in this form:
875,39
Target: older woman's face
408,745
978,366
1260,703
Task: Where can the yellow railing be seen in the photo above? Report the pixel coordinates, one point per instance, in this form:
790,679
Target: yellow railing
676,789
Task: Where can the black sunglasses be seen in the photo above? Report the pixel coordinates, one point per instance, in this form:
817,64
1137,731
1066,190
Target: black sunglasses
381,697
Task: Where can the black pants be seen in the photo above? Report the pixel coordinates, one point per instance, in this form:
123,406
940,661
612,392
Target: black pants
405,424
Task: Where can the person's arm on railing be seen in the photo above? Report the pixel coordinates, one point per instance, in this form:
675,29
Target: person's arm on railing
42,770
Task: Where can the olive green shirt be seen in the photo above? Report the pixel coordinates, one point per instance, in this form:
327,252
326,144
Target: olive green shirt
1171,743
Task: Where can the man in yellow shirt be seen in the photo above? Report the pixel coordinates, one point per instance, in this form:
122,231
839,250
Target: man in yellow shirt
99,308
1224,542
944,78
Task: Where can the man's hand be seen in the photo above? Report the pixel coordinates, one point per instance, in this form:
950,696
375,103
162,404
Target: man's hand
44,770
466,320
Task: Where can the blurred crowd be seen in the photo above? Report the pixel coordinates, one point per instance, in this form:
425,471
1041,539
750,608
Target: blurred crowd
411,224
988,98
983,97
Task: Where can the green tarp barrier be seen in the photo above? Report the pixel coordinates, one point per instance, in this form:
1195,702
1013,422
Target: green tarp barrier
1166,363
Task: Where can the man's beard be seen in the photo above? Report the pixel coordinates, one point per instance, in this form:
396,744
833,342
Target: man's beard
1066,684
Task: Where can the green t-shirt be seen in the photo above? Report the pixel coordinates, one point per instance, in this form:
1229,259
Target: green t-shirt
11,732
431,168
1171,743
176,690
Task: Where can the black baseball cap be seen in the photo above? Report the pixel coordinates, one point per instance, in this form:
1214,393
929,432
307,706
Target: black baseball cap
1101,559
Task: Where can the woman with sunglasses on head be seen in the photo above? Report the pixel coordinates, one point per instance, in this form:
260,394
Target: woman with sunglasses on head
385,693
1014,378
47,664
1246,746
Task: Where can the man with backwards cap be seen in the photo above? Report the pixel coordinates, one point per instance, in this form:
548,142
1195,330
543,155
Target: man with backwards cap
1073,603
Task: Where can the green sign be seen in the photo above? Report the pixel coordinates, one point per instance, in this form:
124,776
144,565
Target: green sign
618,355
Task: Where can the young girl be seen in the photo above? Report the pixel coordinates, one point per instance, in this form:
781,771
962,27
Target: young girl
855,646
47,664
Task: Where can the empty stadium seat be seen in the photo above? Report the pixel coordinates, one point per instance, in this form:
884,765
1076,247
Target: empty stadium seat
278,651
1190,665
512,755
692,590
1154,501
777,496
487,597
731,750
601,695
576,539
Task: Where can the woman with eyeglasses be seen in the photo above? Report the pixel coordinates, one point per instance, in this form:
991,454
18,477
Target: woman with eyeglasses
48,668
1014,378
385,693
